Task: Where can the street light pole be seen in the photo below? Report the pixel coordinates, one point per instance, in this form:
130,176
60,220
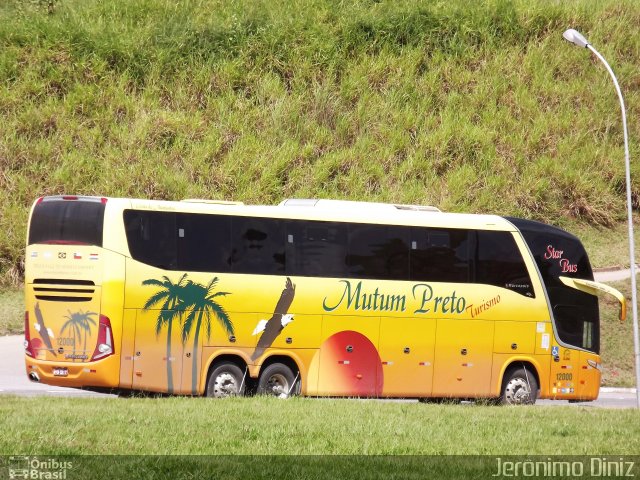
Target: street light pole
576,38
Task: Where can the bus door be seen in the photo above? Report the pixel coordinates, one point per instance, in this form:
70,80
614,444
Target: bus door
463,358
565,371
158,357
406,351
575,374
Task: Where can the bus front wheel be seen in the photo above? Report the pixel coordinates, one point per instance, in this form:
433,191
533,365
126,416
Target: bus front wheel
226,380
277,380
519,388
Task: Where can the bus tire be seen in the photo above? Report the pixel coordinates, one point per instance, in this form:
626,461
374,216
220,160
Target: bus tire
226,380
519,388
278,380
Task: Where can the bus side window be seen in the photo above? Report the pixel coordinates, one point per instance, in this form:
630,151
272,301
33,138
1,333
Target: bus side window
499,263
378,251
316,249
440,255
204,243
152,237
257,246
577,325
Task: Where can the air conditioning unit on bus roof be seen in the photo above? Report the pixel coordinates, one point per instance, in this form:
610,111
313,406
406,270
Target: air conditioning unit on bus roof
324,203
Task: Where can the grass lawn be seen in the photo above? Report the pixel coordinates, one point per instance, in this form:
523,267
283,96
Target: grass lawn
306,426
616,340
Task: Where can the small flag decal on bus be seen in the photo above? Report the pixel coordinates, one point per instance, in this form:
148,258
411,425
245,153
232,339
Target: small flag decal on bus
34,254
93,256
77,256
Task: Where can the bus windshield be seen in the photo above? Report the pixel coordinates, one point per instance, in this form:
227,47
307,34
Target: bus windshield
558,253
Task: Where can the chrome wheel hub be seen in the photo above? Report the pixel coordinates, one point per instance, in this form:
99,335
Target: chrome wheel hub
225,385
517,392
278,386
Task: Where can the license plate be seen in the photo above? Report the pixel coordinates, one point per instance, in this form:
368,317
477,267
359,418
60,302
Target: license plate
60,372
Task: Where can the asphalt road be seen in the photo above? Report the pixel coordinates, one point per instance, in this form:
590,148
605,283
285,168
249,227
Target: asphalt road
13,378
14,381
614,275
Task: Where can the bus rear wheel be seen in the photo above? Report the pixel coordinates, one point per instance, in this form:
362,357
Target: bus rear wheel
226,380
277,380
520,388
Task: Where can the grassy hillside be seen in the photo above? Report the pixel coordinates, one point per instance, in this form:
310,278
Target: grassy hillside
467,107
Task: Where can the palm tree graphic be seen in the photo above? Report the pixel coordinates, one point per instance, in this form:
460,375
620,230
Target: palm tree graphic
78,323
86,321
171,296
201,301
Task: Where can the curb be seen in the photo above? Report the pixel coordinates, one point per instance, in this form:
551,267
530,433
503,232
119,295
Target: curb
608,269
617,390
613,268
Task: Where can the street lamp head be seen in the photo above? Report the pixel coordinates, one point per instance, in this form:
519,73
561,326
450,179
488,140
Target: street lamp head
575,37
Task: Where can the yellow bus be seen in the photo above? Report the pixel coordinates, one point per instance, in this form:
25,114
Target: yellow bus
309,297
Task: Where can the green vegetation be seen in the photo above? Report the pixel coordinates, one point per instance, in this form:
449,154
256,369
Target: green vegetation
11,311
475,107
300,426
608,247
616,340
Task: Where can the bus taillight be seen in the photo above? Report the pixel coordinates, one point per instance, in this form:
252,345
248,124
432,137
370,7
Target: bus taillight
104,347
27,336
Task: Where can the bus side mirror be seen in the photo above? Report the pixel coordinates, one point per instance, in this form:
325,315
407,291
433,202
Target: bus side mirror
594,288
623,309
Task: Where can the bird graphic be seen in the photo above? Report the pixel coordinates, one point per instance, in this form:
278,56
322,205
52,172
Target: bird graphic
271,328
45,333
262,324
259,327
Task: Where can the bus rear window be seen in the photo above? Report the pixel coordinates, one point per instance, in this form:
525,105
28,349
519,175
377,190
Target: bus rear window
67,222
